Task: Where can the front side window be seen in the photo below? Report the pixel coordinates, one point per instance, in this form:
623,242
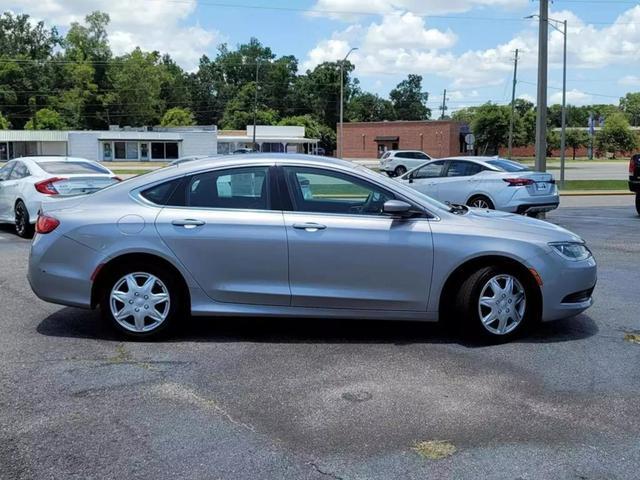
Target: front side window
5,171
431,170
316,190
238,188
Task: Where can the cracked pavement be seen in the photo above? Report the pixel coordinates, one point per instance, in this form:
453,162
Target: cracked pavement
325,399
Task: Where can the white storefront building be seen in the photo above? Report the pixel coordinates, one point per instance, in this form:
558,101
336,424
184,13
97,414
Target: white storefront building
111,145
268,138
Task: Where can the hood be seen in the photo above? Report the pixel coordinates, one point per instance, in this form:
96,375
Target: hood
513,225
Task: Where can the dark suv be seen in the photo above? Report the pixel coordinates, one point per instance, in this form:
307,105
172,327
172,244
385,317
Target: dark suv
634,178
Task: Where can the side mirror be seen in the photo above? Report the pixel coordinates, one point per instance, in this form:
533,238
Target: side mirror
397,208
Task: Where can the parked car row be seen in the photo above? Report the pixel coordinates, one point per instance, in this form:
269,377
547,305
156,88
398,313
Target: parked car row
634,178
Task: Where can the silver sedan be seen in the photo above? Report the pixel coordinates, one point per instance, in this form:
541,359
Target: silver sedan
301,236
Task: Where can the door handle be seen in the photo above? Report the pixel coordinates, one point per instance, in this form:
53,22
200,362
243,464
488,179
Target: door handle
309,226
188,223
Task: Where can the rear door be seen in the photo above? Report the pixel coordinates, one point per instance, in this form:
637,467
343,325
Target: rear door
458,182
345,253
223,228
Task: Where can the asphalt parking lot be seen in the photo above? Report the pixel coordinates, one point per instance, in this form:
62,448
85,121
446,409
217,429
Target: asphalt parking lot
257,398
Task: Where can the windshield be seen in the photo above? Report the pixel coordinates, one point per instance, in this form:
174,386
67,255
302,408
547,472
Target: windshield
71,168
507,165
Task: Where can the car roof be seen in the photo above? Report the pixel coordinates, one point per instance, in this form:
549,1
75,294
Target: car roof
280,158
396,151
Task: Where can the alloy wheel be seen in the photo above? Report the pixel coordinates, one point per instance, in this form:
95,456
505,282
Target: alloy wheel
139,302
502,304
480,203
21,219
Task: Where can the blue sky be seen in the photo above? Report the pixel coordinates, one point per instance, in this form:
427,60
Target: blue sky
465,46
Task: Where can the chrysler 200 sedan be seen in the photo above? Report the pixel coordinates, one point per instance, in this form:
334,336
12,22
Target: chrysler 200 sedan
301,236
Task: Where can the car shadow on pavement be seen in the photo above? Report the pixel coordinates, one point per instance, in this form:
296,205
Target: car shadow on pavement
76,323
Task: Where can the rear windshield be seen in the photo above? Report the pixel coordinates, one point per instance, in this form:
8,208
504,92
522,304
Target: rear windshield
508,165
71,168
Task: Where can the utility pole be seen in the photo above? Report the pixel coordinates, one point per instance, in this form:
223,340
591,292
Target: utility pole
563,134
513,102
541,117
255,106
444,104
341,136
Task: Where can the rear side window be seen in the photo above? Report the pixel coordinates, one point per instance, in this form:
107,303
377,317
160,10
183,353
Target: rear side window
463,169
19,171
507,165
71,168
5,171
165,193
241,188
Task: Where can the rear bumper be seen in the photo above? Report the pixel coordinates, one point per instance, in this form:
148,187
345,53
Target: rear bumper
536,207
634,184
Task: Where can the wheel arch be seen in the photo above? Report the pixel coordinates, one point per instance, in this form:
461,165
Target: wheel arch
103,273
480,194
455,278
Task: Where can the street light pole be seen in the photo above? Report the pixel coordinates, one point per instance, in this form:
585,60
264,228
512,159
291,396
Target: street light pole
255,106
340,135
513,102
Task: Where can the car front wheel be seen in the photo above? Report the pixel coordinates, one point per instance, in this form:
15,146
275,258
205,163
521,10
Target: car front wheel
24,228
480,201
141,301
495,303
400,170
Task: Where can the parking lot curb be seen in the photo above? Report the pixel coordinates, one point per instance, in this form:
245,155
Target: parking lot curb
594,193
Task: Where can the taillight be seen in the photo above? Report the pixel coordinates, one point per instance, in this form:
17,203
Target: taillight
46,224
518,182
47,186
632,166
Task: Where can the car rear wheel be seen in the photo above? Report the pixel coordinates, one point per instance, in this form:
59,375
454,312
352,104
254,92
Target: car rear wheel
400,170
638,203
141,301
495,304
480,201
24,228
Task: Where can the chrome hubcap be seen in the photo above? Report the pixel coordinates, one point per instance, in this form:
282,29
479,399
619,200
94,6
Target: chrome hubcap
20,219
479,203
139,302
502,304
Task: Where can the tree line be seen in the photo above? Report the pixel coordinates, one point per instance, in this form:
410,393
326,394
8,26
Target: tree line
50,81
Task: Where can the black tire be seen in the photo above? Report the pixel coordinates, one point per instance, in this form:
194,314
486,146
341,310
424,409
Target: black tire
467,310
400,170
638,203
177,305
481,201
24,228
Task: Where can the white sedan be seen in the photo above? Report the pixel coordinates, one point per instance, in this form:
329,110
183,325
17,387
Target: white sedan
485,182
26,182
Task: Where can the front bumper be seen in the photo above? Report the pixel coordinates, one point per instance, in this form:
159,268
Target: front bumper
567,286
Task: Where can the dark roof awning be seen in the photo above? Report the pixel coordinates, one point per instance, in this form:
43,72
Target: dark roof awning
387,138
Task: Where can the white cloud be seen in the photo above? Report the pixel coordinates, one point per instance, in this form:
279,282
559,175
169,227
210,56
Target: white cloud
574,97
351,10
150,25
527,97
398,47
630,80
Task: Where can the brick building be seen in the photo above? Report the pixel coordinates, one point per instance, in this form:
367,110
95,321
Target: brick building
438,138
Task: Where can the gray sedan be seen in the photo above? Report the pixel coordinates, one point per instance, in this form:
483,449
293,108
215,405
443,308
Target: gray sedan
301,236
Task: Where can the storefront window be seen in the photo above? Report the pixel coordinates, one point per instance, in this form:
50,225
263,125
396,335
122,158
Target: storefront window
120,150
132,150
144,151
164,150
157,151
171,149
106,151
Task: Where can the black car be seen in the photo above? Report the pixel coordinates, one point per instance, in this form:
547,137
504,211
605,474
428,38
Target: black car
634,178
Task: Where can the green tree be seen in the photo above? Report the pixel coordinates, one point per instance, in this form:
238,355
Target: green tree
630,105
19,36
553,141
46,119
576,138
4,123
238,112
177,117
616,135
313,129
137,79
88,41
368,107
490,125
409,101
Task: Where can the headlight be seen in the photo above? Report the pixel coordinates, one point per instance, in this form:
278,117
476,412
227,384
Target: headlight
571,250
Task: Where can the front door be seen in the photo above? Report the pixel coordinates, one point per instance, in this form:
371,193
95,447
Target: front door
427,178
222,229
458,181
345,253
